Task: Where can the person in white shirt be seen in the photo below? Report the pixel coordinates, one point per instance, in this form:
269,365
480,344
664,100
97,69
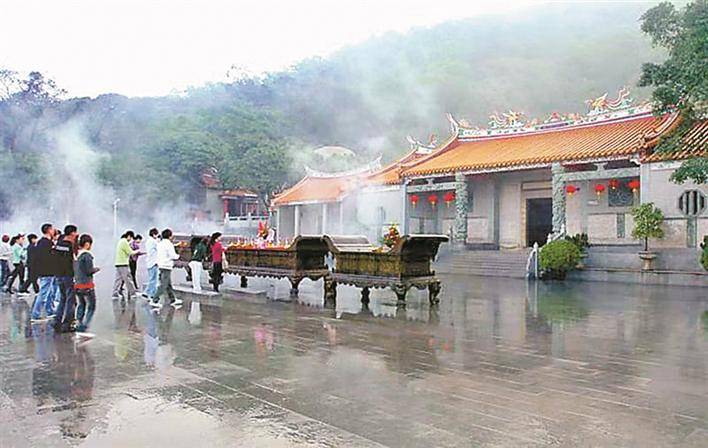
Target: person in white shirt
151,263
166,256
5,254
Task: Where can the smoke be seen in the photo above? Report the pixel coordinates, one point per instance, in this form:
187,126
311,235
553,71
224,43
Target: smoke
74,194
79,197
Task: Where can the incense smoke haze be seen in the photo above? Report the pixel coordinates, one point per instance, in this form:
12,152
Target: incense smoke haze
74,195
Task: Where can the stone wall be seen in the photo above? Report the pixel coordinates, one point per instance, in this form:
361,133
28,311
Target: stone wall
591,213
657,188
513,190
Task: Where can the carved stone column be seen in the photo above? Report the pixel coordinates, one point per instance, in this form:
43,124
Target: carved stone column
558,190
460,230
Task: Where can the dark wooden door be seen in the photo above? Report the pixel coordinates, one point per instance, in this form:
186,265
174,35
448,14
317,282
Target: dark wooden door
539,220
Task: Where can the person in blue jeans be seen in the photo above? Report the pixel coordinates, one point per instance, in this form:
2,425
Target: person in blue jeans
45,265
85,288
64,253
151,263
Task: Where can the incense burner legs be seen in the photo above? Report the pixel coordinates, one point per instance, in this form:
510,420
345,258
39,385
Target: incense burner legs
401,292
365,295
433,292
330,290
294,284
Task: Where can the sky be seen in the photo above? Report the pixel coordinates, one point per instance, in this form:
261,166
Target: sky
156,47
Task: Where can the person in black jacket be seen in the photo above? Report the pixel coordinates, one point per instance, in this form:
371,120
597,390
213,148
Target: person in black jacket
45,268
64,253
31,266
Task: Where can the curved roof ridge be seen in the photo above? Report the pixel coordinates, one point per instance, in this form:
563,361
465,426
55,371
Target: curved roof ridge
369,167
619,137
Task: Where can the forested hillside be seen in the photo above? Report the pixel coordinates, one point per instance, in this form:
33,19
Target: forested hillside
259,132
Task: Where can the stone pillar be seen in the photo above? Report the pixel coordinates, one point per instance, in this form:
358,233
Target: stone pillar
460,230
297,221
496,218
225,203
324,218
404,208
277,222
558,191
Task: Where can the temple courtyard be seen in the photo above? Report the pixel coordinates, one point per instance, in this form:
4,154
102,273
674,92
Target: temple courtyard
500,362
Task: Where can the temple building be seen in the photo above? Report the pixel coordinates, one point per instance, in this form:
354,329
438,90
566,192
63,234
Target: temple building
515,182
361,201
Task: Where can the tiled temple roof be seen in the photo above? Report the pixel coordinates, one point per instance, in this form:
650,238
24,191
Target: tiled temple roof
391,173
694,143
585,141
317,189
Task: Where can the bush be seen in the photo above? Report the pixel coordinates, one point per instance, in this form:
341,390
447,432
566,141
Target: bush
559,257
704,254
580,240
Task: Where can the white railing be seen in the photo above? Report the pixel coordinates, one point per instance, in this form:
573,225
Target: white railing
247,218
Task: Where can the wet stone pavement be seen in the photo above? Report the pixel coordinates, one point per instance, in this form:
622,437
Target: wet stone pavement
499,363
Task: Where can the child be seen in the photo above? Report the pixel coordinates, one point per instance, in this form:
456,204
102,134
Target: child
85,292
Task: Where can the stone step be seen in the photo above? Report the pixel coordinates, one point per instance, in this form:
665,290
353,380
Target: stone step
485,257
484,263
488,273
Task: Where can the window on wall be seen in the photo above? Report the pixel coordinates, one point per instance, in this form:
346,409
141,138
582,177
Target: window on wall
692,203
470,199
621,195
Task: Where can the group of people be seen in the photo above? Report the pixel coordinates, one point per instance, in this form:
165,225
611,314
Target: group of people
160,256
60,268
207,249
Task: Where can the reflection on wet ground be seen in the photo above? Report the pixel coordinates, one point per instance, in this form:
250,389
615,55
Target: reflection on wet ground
500,363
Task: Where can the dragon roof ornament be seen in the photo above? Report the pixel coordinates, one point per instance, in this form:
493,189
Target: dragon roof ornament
369,168
601,104
515,122
421,148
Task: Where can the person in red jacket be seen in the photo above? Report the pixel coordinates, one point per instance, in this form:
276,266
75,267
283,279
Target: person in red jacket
217,260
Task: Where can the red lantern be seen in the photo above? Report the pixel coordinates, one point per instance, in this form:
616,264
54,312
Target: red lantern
599,189
613,183
633,185
449,197
414,199
571,189
433,199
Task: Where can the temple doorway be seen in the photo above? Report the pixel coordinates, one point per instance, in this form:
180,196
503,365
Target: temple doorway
539,220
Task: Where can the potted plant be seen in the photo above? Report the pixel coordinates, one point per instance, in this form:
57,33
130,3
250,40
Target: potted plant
648,220
558,257
581,242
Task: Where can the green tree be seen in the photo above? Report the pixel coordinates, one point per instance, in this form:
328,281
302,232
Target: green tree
648,220
681,81
26,109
